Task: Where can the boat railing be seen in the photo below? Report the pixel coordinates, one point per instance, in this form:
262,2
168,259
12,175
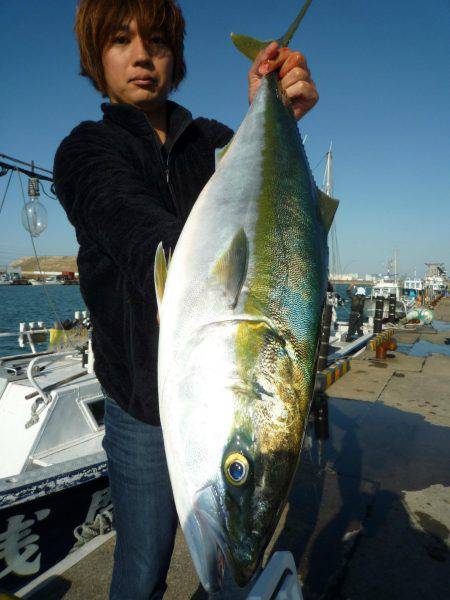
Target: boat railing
30,336
42,394
33,371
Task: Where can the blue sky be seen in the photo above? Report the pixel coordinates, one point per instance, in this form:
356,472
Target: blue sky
381,69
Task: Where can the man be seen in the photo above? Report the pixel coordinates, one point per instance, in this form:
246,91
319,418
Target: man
128,182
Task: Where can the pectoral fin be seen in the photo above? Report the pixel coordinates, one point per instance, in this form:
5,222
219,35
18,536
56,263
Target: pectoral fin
231,268
327,209
160,273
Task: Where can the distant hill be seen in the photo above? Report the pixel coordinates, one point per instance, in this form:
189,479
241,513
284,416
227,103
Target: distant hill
48,263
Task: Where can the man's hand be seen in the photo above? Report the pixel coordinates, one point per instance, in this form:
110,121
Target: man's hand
294,74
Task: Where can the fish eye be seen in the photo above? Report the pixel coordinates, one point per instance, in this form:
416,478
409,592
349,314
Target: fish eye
236,468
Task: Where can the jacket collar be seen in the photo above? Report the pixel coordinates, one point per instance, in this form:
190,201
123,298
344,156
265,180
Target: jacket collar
135,120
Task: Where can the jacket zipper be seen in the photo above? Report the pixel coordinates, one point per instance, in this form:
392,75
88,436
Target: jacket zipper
169,185
165,166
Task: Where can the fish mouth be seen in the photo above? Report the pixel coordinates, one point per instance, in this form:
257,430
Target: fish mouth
206,539
211,560
217,549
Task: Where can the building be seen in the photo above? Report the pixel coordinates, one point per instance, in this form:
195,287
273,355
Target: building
343,276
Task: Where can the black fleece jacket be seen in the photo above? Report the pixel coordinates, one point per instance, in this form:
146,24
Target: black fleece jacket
124,193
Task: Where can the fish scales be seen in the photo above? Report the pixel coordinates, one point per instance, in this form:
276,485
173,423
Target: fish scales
289,263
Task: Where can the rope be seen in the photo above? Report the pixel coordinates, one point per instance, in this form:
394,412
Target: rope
319,163
87,531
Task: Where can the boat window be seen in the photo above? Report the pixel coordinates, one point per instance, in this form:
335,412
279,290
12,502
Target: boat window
97,409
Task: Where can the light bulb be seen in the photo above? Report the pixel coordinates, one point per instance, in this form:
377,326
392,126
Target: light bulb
34,217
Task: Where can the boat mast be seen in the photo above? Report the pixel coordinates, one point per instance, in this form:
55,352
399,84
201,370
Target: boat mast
395,265
396,278
328,176
327,187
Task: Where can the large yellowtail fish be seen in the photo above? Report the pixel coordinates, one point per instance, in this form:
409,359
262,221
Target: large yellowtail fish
240,314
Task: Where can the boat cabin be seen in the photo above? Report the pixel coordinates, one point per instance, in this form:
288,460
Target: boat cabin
385,288
51,410
412,287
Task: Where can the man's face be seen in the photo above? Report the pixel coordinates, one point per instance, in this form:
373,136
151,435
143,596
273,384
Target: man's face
135,73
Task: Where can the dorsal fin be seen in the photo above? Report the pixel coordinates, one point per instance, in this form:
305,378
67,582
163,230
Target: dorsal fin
231,268
327,208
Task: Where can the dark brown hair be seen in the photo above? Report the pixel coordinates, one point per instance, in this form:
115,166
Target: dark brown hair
98,20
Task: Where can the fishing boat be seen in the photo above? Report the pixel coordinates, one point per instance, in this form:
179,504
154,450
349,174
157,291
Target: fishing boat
54,489
386,287
435,281
340,345
9,275
52,280
413,287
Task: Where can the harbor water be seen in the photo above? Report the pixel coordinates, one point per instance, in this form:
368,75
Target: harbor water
25,303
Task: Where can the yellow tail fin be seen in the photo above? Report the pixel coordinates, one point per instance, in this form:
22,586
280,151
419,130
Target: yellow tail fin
252,47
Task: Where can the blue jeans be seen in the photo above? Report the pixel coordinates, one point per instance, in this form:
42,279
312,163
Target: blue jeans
145,517
144,511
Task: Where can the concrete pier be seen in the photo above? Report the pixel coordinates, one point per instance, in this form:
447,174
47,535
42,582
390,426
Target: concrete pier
369,513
